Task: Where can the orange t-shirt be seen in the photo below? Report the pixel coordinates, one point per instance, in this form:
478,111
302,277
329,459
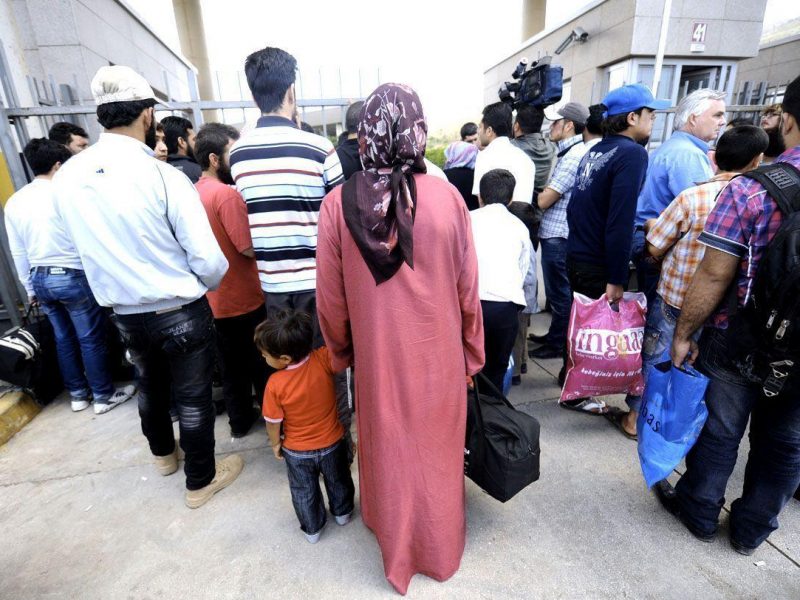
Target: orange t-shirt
302,396
240,290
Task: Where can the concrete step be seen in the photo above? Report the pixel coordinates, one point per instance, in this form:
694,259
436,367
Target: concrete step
16,410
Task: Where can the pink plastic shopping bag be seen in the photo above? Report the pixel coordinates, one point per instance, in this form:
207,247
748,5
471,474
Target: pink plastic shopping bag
605,347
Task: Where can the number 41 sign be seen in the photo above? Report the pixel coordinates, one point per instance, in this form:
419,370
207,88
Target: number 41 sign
698,37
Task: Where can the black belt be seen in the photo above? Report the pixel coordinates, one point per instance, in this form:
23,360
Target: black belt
55,270
638,228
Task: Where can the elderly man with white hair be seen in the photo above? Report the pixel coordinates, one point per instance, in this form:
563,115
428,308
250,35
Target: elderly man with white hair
678,164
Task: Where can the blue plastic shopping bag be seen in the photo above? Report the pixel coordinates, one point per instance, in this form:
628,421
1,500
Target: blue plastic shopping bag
672,415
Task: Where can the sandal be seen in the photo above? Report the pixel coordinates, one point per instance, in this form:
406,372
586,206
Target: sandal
591,406
615,417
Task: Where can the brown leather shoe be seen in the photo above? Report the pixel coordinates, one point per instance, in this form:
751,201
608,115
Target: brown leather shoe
168,464
228,470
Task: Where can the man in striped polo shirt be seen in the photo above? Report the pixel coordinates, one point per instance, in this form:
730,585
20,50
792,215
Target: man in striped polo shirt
283,173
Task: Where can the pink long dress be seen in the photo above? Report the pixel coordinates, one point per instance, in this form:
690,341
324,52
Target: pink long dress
412,339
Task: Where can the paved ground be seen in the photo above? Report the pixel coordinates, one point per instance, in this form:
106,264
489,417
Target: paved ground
85,515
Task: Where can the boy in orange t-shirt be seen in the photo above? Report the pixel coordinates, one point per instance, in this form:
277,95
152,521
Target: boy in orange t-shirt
300,396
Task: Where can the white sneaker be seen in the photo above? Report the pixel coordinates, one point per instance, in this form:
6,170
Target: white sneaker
344,519
116,399
78,405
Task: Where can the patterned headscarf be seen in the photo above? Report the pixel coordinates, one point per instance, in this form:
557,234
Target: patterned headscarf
460,154
379,203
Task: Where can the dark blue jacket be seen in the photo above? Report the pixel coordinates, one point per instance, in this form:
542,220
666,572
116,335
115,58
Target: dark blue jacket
603,205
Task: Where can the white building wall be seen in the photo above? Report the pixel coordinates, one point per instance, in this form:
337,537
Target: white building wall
70,39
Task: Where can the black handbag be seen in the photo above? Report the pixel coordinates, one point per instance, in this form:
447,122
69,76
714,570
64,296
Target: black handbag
501,452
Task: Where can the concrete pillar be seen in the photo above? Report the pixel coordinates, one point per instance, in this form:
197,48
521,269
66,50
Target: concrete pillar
192,35
533,13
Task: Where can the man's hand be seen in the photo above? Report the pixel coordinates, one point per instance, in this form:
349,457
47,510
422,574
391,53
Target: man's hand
33,301
614,292
276,450
683,351
470,383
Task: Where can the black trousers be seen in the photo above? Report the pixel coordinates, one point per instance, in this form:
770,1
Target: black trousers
243,367
174,351
500,325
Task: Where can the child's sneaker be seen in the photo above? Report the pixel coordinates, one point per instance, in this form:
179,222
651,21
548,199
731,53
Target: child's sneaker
116,399
314,537
344,519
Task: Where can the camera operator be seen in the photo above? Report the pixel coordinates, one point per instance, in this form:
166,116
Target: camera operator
528,137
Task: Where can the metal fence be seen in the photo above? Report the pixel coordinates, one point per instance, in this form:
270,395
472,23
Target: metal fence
58,101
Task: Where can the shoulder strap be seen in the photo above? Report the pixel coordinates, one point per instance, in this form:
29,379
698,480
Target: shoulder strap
567,149
782,182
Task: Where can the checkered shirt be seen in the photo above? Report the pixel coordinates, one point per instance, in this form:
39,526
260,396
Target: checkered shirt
554,221
676,232
743,222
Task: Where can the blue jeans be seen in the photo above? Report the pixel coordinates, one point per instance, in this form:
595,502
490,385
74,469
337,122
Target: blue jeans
658,333
174,353
772,473
79,325
556,286
304,469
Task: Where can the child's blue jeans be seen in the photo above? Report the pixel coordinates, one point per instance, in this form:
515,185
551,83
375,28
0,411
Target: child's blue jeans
304,469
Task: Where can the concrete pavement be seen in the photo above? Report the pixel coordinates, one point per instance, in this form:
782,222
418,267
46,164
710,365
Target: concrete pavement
85,515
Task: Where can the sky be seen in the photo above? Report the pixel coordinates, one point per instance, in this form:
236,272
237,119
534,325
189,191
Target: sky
439,47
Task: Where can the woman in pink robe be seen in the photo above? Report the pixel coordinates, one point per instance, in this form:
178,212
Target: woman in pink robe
397,297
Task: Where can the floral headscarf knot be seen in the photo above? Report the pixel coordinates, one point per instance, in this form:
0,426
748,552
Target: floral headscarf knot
380,202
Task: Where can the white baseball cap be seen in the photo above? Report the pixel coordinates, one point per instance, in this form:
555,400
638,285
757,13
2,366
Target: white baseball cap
119,83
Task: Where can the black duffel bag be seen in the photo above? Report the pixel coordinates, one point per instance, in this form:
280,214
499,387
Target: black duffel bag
501,452
29,358
19,352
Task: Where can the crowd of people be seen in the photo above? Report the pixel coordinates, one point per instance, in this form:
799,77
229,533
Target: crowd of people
290,263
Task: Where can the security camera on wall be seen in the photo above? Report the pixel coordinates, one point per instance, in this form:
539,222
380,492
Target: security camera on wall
579,34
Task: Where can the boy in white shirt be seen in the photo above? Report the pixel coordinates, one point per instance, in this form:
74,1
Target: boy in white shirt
503,246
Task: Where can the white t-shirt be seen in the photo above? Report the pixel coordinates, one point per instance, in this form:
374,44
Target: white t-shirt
503,247
36,234
500,154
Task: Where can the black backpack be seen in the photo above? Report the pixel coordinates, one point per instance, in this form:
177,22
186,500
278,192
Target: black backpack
766,332
501,452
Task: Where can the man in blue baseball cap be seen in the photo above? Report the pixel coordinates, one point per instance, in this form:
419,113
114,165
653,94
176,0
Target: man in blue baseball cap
602,208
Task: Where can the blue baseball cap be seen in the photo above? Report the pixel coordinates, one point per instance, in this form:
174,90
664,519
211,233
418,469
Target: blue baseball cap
630,98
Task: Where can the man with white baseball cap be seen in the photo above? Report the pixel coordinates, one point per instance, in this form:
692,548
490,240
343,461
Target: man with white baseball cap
149,254
567,131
